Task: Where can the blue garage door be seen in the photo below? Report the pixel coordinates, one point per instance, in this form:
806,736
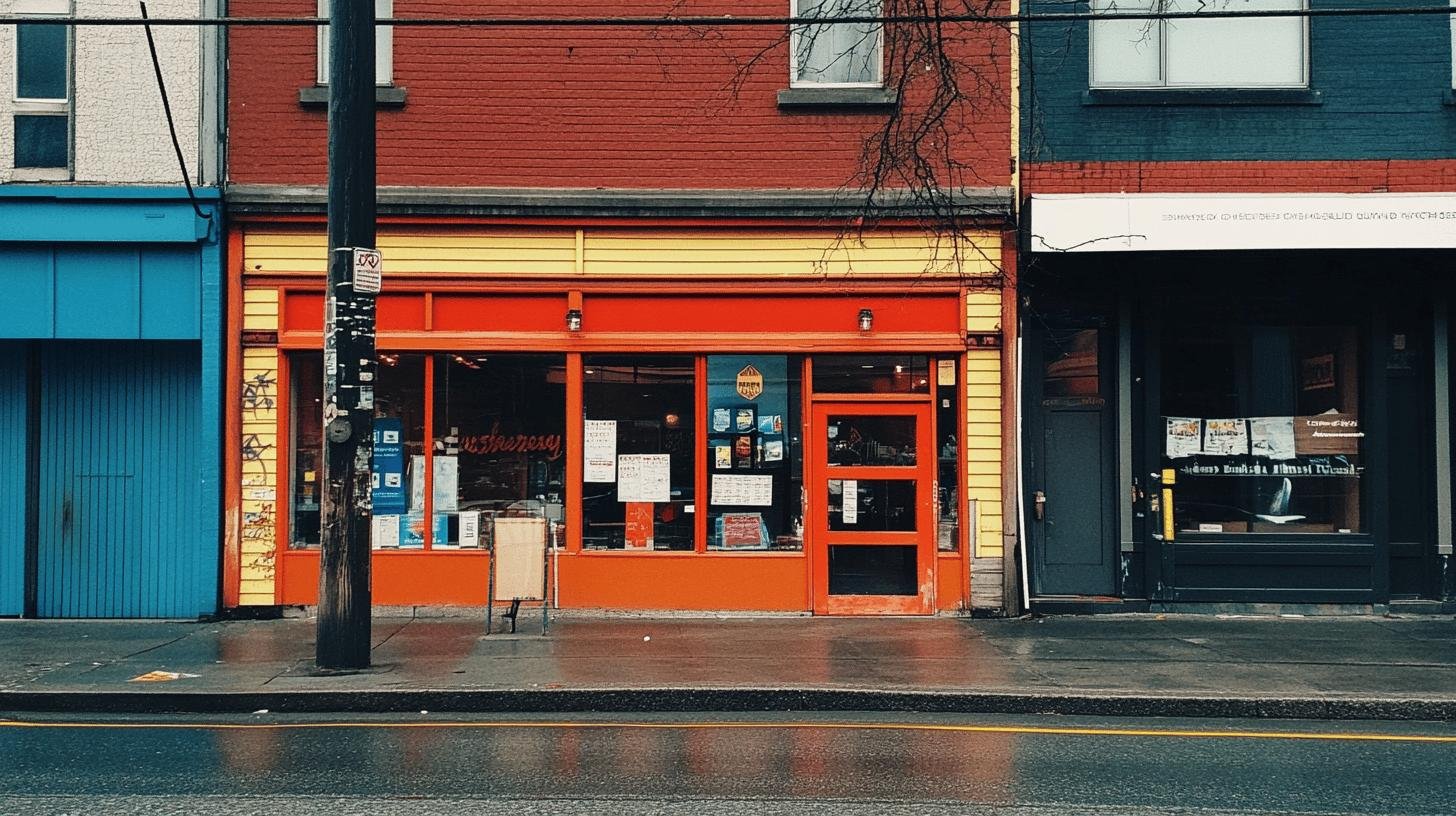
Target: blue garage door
119,492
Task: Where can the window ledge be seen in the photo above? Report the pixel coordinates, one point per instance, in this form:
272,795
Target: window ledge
839,99
385,96
1202,96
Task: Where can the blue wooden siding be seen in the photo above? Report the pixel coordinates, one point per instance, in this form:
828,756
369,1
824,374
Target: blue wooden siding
120,494
89,271
12,477
1384,86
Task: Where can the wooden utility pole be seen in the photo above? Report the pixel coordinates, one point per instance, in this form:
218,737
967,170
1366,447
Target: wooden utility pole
343,638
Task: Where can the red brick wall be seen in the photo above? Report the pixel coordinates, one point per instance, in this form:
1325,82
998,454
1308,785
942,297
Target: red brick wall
580,107
1395,176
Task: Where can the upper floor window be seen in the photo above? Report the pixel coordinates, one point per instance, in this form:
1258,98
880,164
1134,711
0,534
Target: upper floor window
1263,52
42,108
836,54
383,44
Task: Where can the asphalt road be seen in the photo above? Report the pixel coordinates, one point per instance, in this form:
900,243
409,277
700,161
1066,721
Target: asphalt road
706,765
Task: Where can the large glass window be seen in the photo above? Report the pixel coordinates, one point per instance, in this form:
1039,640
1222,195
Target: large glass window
1262,425
755,452
1264,52
500,444
638,452
866,374
399,447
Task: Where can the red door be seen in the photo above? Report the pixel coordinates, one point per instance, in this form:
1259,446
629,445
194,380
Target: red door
871,479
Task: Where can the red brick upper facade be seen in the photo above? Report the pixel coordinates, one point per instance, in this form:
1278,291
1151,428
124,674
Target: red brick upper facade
586,108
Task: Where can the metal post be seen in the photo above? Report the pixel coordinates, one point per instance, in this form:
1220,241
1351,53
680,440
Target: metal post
344,600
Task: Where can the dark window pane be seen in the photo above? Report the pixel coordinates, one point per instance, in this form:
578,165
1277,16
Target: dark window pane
649,403
871,440
40,62
879,374
500,436
42,141
876,505
872,570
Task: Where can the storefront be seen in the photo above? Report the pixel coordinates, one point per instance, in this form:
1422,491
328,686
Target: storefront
110,412
1236,399
705,418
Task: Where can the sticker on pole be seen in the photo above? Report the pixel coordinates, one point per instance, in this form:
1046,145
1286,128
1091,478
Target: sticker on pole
368,270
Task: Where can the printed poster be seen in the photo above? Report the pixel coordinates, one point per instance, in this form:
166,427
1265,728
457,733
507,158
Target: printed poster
1184,437
599,450
742,491
1225,437
1272,437
446,493
849,502
644,477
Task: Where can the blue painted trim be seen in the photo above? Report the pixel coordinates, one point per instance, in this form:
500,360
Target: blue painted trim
55,214
210,443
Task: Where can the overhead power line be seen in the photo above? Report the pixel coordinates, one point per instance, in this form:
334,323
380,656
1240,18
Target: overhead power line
730,21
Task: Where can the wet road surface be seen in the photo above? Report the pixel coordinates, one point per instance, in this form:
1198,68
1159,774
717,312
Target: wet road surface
705,765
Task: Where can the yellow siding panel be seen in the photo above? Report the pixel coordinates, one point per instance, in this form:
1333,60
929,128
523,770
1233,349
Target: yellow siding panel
260,309
259,446
646,253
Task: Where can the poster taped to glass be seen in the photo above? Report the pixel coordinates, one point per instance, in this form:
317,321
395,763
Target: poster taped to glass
1184,437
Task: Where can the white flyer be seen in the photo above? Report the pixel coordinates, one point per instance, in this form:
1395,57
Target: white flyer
850,501
644,477
599,450
743,490
384,532
1184,437
447,484
1272,437
470,528
1225,437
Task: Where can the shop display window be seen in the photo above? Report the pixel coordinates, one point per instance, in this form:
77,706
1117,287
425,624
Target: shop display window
499,445
639,441
1262,426
399,435
755,452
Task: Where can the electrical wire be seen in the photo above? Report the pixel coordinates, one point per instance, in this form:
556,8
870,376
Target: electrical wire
729,21
171,125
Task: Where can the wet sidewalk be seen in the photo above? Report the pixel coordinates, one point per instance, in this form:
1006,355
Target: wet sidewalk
1146,665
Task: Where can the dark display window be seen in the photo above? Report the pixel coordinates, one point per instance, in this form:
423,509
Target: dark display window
1262,426
638,445
500,444
399,441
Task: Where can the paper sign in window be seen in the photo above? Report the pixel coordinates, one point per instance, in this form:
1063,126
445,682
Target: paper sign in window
599,450
644,477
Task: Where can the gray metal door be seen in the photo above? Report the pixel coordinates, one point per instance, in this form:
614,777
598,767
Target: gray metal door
1071,524
1077,534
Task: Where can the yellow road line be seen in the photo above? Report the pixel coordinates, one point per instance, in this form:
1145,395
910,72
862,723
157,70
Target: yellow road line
842,726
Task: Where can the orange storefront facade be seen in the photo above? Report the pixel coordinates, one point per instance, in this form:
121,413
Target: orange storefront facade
720,418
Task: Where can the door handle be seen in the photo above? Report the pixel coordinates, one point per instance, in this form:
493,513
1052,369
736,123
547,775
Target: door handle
1038,505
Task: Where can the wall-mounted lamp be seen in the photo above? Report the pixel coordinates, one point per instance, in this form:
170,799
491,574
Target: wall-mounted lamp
573,320
866,320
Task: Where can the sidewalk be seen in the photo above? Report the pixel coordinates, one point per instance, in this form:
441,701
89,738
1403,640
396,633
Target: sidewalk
1145,665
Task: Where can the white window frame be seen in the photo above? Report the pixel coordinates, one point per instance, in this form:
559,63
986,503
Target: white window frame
383,45
33,106
1162,82
879,80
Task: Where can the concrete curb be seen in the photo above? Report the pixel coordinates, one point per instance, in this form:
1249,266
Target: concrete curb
639,700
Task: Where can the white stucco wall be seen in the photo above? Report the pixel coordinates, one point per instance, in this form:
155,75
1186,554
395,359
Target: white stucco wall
120,129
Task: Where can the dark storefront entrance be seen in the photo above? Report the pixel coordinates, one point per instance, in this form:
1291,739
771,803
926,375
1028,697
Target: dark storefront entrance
1231,427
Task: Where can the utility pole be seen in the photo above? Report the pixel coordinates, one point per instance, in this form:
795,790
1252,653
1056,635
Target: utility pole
343,637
